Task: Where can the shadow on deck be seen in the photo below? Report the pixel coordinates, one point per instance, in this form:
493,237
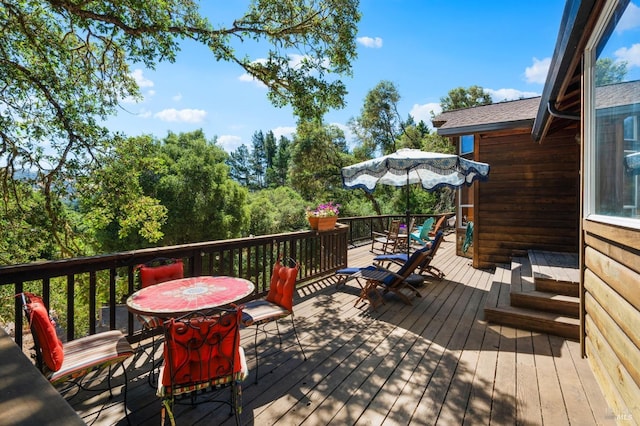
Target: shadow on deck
436,361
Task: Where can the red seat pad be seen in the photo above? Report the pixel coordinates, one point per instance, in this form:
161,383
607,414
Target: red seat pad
52,351
92,352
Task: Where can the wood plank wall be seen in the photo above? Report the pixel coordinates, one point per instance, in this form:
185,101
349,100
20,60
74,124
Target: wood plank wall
531,199
612,315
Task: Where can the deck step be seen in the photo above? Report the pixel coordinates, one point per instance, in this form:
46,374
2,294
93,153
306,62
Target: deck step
561,287
555,272
538,292
534,320
546,302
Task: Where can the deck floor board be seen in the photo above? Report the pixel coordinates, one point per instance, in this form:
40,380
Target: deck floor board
435,361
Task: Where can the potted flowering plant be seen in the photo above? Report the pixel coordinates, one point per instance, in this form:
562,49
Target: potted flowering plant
323,217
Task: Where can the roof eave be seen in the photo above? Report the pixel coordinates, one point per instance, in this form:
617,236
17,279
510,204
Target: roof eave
479,128
575,17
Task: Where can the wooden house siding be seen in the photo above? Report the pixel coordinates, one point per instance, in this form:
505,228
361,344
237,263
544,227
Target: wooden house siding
611,316
531,199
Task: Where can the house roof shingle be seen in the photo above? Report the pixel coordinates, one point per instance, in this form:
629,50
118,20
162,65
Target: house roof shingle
498,116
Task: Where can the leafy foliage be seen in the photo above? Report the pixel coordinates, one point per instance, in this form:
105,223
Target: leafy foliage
203,203
115,208
610,72
65,67
276,210
318,153
460,97
379,125
162,192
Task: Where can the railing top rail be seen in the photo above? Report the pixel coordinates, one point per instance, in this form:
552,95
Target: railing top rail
43,269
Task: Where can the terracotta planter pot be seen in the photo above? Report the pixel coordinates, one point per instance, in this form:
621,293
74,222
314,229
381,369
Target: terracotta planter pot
323,223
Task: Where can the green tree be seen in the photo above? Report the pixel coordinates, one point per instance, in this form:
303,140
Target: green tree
22,221
270,151
239,167
116,210
610,72
460,97
379,124
185,185
276,210
277,175
66,67
202,202
318,154
258,161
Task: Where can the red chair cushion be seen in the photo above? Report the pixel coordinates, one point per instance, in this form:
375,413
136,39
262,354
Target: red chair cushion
202,349
150,275
283,283
43,327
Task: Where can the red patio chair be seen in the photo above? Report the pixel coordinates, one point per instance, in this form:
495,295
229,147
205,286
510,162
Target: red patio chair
202,355
156,271
72,363
278,304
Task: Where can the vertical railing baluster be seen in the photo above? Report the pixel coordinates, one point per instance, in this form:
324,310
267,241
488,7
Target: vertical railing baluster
92,302
112,298
17,308
253,258
71,293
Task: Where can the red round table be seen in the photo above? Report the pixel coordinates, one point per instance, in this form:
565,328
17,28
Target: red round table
177,297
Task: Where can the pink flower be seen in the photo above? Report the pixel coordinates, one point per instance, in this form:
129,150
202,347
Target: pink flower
324,210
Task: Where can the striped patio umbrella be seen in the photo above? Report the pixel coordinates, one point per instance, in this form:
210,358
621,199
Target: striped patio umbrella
432,170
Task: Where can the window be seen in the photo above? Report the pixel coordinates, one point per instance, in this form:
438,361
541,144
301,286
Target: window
465,193
612,110
466,144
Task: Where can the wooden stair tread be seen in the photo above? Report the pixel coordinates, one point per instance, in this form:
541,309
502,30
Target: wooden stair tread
548,296
555,266
535,314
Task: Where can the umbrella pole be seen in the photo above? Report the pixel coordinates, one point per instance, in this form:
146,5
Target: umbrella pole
408,219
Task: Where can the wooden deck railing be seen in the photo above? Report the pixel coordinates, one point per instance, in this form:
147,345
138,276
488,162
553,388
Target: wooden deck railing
91,283
83,279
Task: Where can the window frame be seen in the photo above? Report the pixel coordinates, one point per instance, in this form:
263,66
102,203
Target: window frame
589,127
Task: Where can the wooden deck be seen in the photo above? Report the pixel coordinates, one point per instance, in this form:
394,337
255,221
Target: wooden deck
434,362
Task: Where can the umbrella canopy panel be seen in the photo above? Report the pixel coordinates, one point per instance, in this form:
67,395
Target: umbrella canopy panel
431,170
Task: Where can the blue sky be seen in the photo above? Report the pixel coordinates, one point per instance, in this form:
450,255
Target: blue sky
425,47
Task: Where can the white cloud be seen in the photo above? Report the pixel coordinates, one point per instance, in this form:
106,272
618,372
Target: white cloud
286,131
630,19
509,94
182,115
423,112
631,55
141,80
537,73
373,42
229,142
177,98
144,113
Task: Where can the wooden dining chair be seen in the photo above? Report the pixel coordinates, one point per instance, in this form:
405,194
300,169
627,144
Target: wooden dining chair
202,356
74,364
387,240
277,304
